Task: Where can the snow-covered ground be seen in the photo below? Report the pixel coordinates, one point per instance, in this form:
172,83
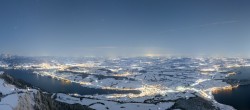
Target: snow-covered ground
161,81
104,104
11,96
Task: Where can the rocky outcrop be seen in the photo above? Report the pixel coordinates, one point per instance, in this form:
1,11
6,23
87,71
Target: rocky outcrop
38,100
26,102
194,103
44,101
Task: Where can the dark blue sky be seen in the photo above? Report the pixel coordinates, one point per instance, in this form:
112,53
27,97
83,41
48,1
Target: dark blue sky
125,27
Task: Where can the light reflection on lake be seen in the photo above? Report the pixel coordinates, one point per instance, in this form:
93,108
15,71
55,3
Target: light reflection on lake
238,97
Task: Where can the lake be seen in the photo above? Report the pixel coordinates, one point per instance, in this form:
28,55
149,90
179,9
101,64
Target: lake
52,85
239,97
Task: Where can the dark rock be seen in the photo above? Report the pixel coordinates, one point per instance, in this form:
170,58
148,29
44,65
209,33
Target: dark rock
195,103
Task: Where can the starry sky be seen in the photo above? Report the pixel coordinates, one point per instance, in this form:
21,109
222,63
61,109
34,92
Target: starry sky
125,27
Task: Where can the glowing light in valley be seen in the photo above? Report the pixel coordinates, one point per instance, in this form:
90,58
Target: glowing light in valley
232,73
217,90
146,90
197,82
152,55
123,74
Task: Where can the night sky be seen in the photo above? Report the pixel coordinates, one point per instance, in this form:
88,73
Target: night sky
125,27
